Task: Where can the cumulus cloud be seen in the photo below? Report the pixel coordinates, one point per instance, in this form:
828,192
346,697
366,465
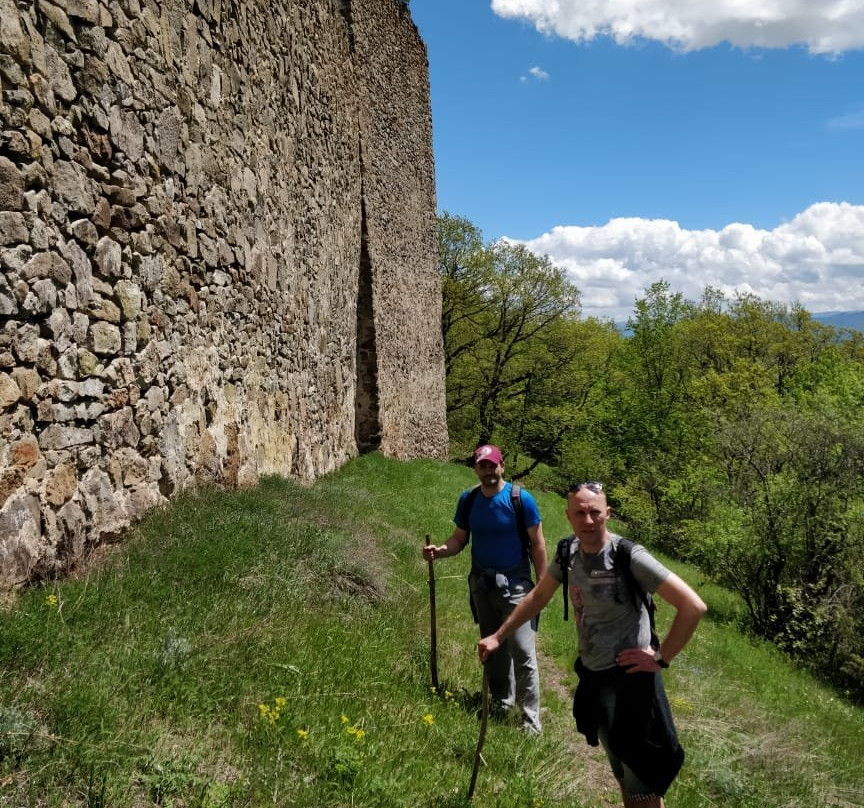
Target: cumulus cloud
539,73
824,26
816,259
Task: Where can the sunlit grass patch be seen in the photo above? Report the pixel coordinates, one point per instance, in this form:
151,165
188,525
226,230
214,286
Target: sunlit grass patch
271,646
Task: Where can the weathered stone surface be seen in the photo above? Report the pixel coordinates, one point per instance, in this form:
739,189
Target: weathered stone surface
180,237
58,75
47,265
102,309
82,270
58,17
85,231
61,483
62,437
108,257
73,187
130,299
105,339
28,382
13,229
88,10
12,36
11,481
24,453
27,343
21,529
11,186
72,531
126,131
9,391
119,429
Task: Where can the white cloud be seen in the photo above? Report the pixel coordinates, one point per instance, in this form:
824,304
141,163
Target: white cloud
851,120
539,73
816,259
824,26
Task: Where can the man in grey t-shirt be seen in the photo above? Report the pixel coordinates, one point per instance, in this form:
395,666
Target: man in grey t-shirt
620,699
605,609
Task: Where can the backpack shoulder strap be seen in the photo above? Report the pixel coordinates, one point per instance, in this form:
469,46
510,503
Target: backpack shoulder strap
622,562
562,559
467,504
519,508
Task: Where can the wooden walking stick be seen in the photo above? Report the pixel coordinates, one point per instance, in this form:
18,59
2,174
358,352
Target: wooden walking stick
483,721
433,656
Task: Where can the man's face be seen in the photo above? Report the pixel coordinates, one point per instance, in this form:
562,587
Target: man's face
587,512
489,473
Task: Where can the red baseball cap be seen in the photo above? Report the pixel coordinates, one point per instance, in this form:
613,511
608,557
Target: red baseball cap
490,453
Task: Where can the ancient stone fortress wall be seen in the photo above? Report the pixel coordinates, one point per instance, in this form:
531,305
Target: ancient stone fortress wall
217,236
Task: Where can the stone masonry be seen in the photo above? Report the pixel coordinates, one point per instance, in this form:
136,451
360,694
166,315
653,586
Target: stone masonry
217,236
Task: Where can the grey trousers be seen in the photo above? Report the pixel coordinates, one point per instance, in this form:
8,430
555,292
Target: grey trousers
513,675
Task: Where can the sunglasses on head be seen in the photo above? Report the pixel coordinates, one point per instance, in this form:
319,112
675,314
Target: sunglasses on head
591,485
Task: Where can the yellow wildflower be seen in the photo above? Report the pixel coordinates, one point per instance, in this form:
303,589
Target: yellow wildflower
429,719
344,718
51,601
302,734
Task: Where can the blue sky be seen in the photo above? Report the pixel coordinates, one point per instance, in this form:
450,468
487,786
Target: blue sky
705,144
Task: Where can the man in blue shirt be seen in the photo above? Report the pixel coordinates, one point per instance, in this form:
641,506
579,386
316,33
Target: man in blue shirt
501,577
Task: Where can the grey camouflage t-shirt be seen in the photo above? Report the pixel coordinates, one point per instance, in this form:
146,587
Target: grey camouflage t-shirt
608,615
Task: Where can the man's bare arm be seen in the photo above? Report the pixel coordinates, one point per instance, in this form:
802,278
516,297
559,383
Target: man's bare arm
689,608
455,544
530,606
537,550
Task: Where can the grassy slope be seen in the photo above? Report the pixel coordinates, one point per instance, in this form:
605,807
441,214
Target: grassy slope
270,647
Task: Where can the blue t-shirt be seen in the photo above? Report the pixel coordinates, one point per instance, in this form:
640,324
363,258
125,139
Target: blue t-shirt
495,541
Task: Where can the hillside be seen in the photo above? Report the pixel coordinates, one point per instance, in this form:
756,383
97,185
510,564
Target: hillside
842,319
271,647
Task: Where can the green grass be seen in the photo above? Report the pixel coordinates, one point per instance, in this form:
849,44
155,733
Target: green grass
271,647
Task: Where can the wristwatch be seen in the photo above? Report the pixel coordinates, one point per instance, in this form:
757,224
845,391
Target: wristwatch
658,658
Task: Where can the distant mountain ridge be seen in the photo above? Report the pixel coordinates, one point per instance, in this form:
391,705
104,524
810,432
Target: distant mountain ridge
842,319
836,319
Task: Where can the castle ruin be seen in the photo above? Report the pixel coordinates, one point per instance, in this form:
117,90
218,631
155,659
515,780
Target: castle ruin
217,237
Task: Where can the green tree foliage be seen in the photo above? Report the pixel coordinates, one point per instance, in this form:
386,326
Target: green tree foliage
730,430
508,327
745,454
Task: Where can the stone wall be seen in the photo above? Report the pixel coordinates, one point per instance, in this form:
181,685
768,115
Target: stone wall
217,235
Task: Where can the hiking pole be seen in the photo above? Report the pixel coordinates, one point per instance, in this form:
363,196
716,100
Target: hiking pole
433,656
483,721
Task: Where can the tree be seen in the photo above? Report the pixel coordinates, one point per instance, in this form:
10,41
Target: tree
465,268
531,297
503,310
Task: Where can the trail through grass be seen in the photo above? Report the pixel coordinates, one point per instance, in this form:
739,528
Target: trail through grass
271,647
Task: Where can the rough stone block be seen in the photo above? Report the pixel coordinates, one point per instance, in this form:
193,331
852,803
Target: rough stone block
11,186
105,339
60,484
13,228
10,392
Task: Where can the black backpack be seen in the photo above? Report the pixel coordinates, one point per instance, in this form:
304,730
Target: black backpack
622,566
515,500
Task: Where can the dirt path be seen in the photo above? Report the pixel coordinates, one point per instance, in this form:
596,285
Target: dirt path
584,770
